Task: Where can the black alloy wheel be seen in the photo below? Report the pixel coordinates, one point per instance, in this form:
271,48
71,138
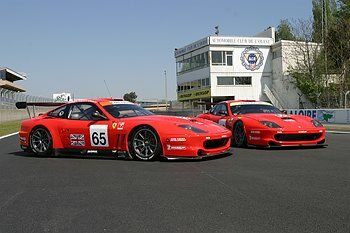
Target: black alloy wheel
144,144
41,141
239,137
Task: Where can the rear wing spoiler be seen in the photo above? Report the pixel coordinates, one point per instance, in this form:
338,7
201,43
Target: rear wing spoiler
25,105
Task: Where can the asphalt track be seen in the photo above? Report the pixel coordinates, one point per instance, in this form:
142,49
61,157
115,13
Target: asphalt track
254,190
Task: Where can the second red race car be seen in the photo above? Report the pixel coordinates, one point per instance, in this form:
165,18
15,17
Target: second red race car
259,123
116,125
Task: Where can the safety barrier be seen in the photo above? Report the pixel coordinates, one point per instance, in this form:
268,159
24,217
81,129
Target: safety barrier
337,116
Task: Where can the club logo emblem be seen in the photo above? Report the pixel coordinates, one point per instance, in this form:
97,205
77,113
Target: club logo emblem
252,58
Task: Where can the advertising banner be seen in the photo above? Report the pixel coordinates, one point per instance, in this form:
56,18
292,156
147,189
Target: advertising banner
340,116
197,94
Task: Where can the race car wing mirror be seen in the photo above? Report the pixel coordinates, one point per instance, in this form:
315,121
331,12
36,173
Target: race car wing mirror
98,115
284,111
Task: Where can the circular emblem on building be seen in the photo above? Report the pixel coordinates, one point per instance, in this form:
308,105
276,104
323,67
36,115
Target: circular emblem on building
252,58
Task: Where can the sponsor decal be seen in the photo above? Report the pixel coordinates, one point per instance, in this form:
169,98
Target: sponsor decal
302,131
250,103
23,139
114,125
99,135
120,125
254,138
77,139
178,139
207,138
255,132
170,147
252,58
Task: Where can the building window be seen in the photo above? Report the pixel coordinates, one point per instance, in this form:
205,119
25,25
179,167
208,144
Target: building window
226,81
217,58
207,82
223,81
243,80
193,63
229,58
221,58
194,85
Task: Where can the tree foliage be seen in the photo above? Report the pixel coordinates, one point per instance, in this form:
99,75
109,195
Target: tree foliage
130,97
322,70
284,31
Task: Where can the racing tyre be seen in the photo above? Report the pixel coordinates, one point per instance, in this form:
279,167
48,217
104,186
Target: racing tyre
239,138
41,141
144,144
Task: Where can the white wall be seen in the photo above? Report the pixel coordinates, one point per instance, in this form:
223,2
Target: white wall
259,77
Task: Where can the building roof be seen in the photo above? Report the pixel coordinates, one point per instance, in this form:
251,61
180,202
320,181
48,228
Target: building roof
11,75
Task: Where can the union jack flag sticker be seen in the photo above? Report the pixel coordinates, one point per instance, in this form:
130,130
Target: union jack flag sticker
77,140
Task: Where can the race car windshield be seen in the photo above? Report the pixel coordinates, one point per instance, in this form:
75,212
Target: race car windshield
254,108
126,110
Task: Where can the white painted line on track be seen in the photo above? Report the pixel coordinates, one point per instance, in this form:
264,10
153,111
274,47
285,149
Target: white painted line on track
339,132
8,135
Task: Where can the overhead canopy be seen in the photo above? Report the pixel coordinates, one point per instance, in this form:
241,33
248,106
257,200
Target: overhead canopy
10,75
10,86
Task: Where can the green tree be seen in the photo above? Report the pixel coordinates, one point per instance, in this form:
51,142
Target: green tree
131,96
284,31
330,9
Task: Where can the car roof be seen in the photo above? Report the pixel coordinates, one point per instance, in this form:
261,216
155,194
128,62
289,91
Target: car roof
103,101
245,102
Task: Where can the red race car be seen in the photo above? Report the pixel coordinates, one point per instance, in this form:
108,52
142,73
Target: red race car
261,124
120,126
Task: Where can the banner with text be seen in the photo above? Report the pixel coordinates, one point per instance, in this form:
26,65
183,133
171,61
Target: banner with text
340,116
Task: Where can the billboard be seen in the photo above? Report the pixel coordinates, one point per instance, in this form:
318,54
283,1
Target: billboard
62,97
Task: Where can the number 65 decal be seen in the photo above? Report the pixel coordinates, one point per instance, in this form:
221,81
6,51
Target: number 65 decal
99,135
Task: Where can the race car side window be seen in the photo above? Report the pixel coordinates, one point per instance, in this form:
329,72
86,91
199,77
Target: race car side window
60,112
83,111
220,109
214,109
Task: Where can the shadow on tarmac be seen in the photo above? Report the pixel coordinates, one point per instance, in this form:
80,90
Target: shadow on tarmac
112,157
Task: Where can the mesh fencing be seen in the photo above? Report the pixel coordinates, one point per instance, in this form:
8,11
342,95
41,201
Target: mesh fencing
8,99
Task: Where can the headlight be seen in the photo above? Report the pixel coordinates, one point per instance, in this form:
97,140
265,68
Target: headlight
316,123
270,124
192,128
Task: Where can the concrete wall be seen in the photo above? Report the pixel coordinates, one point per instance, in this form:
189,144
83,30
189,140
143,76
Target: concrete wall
16,114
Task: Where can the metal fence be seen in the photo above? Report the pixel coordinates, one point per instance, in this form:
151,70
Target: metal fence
8,98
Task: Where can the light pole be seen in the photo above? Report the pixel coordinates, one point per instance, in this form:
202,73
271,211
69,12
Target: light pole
166,91
345,101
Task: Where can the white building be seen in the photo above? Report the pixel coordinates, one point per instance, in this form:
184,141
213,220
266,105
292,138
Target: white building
218,68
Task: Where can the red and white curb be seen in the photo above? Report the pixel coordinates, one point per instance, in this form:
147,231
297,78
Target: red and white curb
8,135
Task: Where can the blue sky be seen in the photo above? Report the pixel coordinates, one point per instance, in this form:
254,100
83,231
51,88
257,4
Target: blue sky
73,45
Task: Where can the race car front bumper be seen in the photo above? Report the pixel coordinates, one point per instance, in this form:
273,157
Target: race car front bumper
196,146
282,138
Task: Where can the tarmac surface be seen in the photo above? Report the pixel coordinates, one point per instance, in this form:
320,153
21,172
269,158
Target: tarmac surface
253,190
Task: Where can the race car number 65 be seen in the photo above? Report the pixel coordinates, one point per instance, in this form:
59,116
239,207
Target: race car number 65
99,135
